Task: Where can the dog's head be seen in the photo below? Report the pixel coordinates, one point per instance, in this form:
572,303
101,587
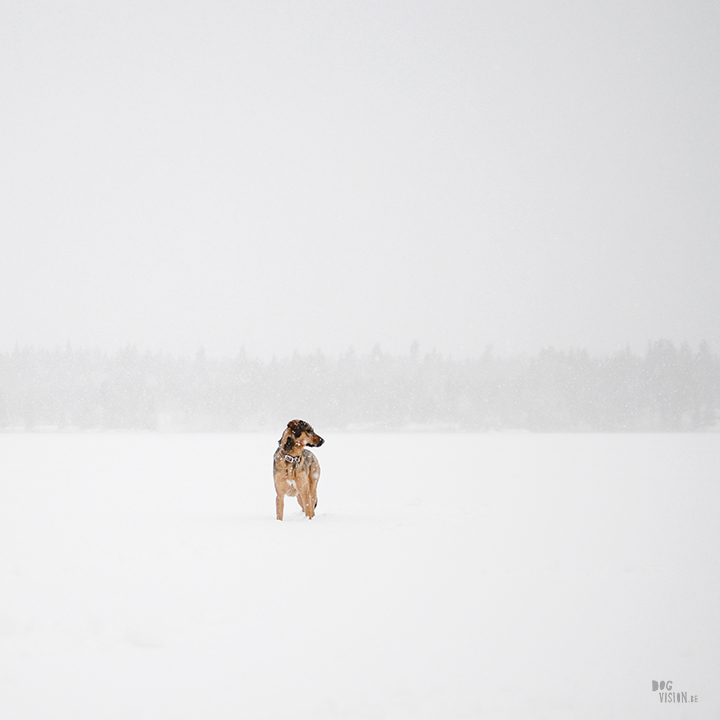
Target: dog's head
298,433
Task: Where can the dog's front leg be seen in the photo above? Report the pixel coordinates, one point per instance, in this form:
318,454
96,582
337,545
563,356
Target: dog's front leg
279,505
306,502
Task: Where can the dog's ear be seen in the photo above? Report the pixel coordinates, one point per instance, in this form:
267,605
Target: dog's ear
289,443
297,427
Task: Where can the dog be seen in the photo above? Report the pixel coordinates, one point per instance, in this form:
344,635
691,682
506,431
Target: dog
296,471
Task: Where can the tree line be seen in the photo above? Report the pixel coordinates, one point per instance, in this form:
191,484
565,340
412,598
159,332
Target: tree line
669,388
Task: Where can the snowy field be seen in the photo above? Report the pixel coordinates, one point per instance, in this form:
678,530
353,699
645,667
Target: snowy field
144,577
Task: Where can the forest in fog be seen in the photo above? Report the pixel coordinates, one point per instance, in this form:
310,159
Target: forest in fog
669,388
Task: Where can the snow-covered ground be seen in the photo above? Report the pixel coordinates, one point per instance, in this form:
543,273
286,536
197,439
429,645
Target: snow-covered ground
144,577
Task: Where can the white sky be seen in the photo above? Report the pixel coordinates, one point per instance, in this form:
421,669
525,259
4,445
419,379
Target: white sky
302,175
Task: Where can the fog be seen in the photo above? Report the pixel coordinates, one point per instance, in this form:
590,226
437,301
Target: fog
666,389
279,177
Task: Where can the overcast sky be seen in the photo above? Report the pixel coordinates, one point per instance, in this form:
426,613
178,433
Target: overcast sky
303,175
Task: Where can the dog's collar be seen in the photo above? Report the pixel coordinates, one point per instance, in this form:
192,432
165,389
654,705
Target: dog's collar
292,460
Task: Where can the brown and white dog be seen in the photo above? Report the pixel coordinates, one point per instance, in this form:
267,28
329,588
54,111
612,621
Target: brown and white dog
296,470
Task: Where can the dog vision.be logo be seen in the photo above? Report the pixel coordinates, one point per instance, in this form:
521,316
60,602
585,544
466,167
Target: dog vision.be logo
664,688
